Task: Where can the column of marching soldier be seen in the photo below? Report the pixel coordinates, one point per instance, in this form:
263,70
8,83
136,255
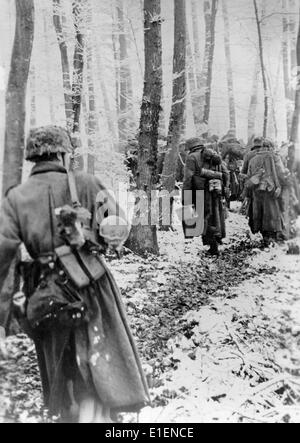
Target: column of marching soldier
70,304
264,177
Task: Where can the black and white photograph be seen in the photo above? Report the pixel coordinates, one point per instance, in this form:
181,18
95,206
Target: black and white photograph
149,214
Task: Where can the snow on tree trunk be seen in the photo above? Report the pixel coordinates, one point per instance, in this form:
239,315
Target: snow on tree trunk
176,124
92,125
263,70
15,124
48,73
210,13
196,37
179,98
78,63
72,89
66,73
232,113
289,95
292,33
16,94
78,13
125,101
194,83
116,52
143,238
296,116
253,101
32,83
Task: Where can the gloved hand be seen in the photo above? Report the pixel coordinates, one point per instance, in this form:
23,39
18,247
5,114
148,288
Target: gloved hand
227,193
278,192
3,350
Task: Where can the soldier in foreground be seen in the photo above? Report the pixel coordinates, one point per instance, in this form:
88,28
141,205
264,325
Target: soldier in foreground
87,357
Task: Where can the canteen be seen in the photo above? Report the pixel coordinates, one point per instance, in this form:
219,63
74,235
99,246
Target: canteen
114,228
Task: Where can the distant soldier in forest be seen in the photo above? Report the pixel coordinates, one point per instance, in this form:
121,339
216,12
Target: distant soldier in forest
265,180
233,153
71,306
291,191
205,171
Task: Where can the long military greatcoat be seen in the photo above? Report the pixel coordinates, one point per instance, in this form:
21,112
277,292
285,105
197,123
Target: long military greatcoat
266,213
195,180
100,357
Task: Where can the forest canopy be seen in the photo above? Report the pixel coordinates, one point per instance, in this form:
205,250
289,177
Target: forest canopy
113,69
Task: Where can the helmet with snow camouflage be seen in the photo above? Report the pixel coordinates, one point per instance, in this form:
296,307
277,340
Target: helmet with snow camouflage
47,140
193,143
269,144
258,142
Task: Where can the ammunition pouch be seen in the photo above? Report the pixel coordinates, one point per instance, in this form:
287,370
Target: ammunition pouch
80,266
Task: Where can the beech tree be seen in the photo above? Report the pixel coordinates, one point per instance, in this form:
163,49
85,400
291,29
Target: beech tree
179,97
252,113
143,237
66,72
231,100
176,124
263,69
287,67
15,124
16,94
296,117
125,88
210,14
72,88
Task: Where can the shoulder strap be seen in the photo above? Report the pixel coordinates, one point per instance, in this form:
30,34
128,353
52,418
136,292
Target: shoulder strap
73,189
199,161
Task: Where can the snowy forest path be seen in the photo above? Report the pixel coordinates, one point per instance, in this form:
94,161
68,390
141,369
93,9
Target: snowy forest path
212,351
215,331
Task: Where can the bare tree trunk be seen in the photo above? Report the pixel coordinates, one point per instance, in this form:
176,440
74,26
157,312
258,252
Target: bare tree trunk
92,115
115,43
289,95
210,12
143,237
295,124
78,63
15,124
32,83
262,64
196,37
272,123
125,110
293,34
194,83
176,123
49,80
16,94
66,73
179,98
232,114
253,101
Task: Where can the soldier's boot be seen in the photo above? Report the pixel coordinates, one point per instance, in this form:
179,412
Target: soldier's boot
214,248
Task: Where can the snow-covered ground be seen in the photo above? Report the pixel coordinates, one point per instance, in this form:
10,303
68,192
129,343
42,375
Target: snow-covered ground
219,337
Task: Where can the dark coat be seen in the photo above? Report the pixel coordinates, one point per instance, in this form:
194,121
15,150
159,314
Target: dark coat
196,179
266,213
99,357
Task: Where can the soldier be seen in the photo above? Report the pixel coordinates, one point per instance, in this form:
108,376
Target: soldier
88,362
205,171
257,145
265,181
